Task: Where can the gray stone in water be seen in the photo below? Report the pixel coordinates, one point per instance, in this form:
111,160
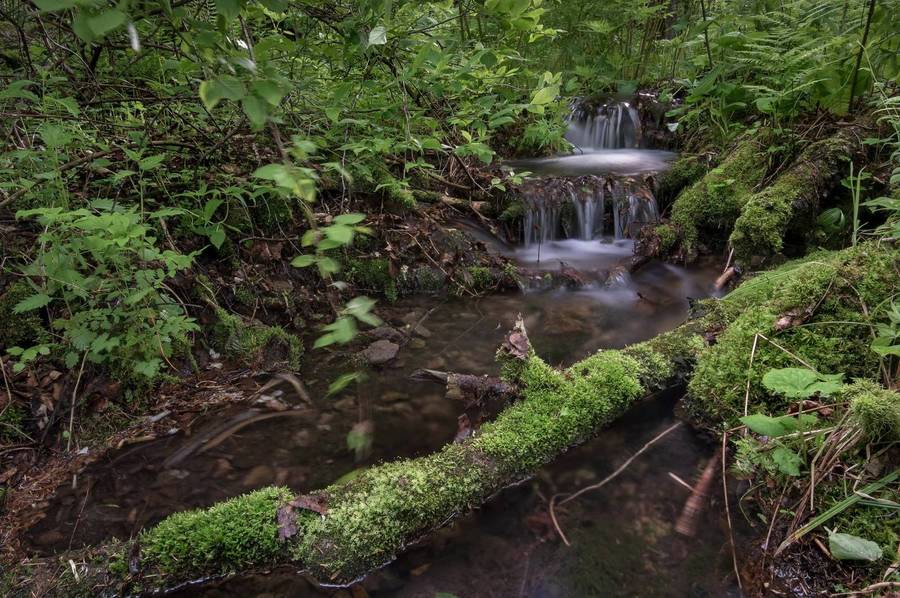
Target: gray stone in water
380,352
386,333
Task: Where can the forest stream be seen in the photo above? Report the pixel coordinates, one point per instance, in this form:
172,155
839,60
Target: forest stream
623,536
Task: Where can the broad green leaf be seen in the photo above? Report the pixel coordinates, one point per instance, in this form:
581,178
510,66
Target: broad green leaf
107,21
31,303
800,383
302,261
847,547
764,425
228,9
378,36
256,111
349,218
788,461
545,95
223,88
217,237
151,162
790,382
270,91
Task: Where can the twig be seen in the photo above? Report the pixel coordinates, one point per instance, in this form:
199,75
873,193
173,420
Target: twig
734,559
74,397
604,481
749,374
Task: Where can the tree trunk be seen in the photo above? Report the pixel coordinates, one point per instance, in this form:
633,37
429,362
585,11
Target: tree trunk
348,529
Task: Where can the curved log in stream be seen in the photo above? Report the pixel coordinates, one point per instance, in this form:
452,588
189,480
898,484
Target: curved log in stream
348,529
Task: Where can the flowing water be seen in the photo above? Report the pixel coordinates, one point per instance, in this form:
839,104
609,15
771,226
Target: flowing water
623,541
603,190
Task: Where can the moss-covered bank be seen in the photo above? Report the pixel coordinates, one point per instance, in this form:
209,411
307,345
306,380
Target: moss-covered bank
819,309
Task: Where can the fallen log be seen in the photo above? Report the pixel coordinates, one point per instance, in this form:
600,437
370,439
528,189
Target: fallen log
791,202
342,532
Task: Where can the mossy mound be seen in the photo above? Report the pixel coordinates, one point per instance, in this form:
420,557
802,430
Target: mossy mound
813,309
875,408
257,345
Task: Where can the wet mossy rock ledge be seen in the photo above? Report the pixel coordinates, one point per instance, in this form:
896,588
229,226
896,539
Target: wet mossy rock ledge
342,532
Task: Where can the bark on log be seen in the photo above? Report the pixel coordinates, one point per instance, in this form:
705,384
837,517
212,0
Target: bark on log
348,529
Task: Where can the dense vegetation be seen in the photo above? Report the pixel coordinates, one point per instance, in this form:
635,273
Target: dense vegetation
162,158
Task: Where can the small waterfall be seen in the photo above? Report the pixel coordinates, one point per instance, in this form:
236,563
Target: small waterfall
586,208
615,125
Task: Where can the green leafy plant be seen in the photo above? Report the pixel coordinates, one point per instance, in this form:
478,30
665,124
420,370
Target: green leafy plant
103,270
801,383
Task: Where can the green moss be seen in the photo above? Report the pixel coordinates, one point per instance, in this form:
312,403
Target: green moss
684,171
372,517
271,347
513,211
872,523
12,419
833,339
227,537
373,275
712,204
668,238
423,279
244,295
767,215
396,190
481,279
19,330
875,408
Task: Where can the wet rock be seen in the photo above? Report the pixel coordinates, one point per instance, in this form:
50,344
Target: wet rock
412,317
345,404
171,476
394,395
422,331
380,352
386,333
258,476
222,468
436,363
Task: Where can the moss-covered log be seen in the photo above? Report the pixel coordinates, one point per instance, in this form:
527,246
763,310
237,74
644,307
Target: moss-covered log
348,529
791,202
709,207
